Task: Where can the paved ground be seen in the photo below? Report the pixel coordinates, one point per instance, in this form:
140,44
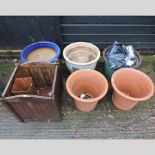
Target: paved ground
105,122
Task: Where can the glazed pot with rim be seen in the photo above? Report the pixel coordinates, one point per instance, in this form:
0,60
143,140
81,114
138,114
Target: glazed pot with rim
39,45
81,55
90,82
129,87
109,71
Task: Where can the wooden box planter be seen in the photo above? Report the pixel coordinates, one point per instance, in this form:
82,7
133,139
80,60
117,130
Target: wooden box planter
43,101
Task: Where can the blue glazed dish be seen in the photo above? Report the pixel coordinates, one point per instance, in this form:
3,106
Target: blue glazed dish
29,48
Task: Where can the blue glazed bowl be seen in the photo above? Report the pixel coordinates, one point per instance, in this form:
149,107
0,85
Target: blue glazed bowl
40,44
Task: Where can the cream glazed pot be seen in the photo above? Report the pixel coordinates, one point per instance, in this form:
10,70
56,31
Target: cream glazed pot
81,55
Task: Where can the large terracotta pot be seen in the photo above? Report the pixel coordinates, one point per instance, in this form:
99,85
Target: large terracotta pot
129,87
87,81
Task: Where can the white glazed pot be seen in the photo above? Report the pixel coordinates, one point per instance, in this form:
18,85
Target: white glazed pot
72,65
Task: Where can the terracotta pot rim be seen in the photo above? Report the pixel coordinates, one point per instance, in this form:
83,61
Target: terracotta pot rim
137,55
90,100
81,64
129,97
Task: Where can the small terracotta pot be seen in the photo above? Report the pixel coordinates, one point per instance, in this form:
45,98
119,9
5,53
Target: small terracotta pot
87,81
23,86
129,87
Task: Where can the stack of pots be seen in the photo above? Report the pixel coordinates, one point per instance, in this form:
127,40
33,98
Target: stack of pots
81,60
129,85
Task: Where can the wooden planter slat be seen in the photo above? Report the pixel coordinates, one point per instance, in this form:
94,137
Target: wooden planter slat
45,105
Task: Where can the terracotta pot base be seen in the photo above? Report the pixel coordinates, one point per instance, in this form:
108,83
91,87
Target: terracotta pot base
85,107
123,105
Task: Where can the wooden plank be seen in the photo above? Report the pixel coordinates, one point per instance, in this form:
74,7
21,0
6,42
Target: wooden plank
19,31
13,30
48,79
141,45
42,74
57,86
4,35
104,29
108,38
23,72
42,77
50,74
50,28
47,28
8,52
22,27
56,21
34,29
29,110
146,20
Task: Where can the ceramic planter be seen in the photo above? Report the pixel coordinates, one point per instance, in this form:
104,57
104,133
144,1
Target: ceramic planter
86,81
129,87
81,55
108,71
41,44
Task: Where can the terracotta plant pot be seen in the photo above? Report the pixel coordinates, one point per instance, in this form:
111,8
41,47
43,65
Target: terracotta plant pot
129,87
87,81
23,86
